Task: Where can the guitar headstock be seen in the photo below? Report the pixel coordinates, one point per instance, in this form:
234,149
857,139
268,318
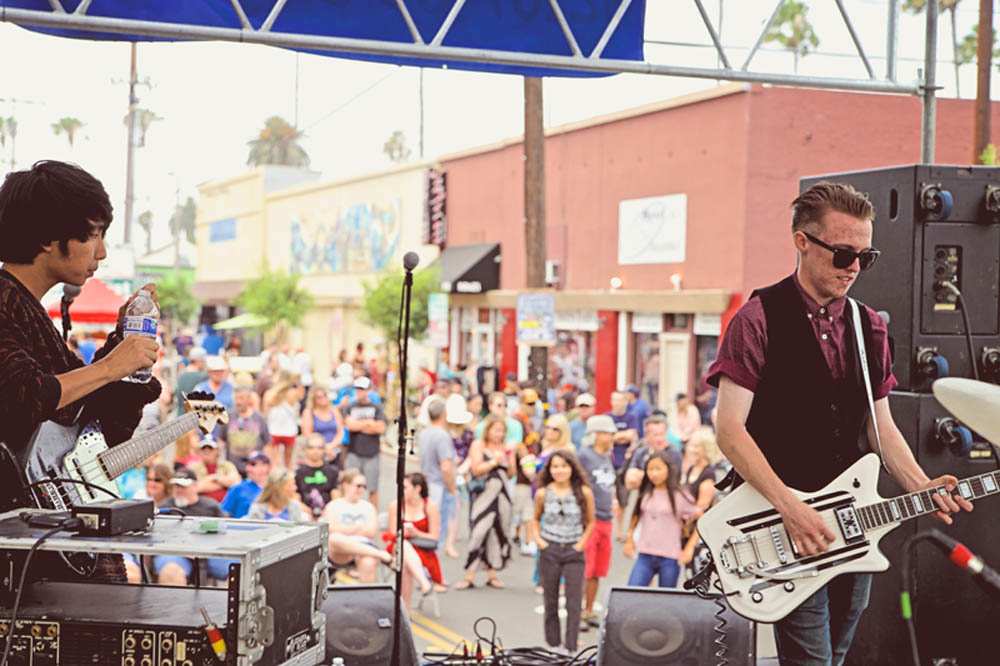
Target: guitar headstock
209,411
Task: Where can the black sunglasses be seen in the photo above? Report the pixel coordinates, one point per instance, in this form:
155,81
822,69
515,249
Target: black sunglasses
843,258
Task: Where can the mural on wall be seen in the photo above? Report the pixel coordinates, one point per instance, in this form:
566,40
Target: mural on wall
362,238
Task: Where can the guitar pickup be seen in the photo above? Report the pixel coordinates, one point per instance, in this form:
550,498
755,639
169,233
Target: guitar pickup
847,521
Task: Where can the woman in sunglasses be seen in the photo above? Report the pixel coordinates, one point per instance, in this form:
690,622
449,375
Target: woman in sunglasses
794,409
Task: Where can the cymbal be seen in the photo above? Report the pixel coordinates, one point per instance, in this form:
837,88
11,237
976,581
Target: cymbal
974,403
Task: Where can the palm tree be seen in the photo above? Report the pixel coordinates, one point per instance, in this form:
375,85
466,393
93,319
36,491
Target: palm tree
145,221
793,30
68,125
277,143
918,6
395,147
8,130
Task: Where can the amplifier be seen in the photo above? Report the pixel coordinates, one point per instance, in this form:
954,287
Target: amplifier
269,612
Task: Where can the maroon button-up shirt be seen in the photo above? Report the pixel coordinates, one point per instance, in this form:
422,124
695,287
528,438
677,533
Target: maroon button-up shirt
743,350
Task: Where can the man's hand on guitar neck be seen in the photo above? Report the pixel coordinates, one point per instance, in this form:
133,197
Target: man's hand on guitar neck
949,503
807,531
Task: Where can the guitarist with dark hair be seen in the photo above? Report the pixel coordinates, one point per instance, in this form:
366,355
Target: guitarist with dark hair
53,219
793,404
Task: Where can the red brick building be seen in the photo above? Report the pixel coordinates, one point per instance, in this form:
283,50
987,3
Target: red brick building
736,153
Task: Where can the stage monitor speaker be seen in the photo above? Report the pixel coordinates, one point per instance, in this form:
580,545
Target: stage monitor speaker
662,627
934,225
954,618
359,627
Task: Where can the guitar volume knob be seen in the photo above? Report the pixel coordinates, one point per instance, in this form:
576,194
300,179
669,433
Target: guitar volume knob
757,597
789,586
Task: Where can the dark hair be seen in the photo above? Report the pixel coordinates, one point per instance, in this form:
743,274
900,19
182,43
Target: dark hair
809,207
646,488
52,201
435,409
577,479
418,480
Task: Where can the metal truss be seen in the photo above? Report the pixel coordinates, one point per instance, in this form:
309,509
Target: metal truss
434,49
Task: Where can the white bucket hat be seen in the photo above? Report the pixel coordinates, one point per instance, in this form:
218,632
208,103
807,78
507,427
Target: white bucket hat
456,411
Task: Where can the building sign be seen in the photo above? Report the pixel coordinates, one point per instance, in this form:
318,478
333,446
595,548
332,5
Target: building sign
647,322
652,230
577,320
437,320
435,212
222,230
707,324
536,319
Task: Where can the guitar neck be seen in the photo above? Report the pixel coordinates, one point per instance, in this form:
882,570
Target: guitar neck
119,459
906,507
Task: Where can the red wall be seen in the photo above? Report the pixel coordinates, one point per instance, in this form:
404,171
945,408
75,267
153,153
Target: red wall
738,158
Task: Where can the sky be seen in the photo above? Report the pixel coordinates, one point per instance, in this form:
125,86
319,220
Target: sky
214,97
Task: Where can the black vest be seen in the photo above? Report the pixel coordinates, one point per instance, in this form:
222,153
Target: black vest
809,427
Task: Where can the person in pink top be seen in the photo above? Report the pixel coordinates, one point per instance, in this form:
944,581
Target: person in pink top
660,514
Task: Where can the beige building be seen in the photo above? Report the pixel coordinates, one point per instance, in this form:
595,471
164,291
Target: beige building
336,235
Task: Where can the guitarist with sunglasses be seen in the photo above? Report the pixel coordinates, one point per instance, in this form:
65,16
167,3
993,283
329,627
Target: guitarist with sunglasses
793,410
53,219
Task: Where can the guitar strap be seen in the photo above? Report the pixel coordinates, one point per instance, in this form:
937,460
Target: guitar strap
859,336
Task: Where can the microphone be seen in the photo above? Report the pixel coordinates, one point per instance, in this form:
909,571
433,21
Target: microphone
70,292
410,261
987,579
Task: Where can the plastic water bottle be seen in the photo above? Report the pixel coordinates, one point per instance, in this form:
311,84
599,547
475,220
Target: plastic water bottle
141,318
338,661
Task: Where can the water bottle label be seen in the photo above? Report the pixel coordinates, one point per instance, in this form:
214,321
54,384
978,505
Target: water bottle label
142,325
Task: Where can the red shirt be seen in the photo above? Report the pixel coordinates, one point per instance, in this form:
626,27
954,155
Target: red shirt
743,350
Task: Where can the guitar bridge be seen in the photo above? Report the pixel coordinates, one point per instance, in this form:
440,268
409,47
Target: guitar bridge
729,556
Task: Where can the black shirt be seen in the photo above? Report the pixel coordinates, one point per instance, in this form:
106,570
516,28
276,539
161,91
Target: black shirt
315,485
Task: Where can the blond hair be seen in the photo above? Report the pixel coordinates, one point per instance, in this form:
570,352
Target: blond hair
704,437
559,422
272,489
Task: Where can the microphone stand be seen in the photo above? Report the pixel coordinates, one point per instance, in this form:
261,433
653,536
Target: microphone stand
404,436
67,325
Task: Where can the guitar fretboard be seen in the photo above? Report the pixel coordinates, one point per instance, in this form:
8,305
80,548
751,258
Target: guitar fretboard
129,454
905,507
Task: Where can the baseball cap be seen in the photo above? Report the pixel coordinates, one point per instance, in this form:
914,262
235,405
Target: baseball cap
208,441
197,353
585,400
183,477
258,457
216,363
362,383
634,390
601,423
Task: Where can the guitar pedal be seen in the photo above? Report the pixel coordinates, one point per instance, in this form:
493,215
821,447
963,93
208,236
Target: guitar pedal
106,519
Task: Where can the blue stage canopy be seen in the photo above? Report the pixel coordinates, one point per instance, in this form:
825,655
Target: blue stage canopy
464,34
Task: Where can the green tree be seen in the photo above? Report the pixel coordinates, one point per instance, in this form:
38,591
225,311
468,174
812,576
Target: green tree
918,6
791,28
68,126
967,49
178,304
183,220
145,221
277,297
395,147
989,155
381,304
277,143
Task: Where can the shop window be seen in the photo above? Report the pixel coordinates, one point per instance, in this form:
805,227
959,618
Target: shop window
646,365
571,361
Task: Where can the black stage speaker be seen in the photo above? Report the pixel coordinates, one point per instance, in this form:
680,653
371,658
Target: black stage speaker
359,627
954,617
654,627
934,224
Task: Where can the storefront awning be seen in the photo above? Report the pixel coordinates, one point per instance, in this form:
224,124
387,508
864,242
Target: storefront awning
245,320
470,269
219,292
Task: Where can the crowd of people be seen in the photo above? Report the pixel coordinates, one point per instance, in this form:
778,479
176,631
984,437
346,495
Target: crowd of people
501,475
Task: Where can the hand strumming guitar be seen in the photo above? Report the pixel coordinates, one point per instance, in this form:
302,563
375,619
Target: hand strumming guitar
806,529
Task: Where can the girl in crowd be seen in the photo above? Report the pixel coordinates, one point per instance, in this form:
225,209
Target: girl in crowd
489,464
421,529
281,404
322,417
688,418
353,526
279,500
564,519
660,513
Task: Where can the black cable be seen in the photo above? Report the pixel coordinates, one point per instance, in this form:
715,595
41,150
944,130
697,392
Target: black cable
86,484
968,335
69,522
906,608
167,510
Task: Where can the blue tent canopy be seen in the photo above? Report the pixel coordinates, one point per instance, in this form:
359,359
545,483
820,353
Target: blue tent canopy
481,35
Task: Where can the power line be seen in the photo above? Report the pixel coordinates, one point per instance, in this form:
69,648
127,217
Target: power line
353,99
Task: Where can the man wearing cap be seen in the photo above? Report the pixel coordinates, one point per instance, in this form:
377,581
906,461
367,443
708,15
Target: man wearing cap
173,569
215,474
639,407
239,498
365,421
218,382
596,460
438,462
194,374
584,410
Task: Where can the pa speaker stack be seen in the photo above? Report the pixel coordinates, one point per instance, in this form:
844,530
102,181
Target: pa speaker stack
359,627
936,226
654,627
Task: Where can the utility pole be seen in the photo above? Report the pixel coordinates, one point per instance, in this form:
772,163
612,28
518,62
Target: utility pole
133,103
421,149
984,66
8,126
534,214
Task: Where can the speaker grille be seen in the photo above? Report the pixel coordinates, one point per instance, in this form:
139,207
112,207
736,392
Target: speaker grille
359,627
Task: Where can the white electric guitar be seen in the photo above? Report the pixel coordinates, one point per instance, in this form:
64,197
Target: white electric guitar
763,576
31,476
